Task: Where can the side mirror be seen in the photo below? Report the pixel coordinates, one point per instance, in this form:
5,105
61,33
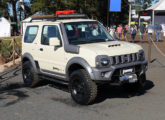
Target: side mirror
54,41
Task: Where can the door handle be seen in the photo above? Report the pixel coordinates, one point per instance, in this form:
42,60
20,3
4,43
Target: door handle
41,49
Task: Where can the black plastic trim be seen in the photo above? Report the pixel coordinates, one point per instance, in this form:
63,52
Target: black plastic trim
54,79
67,47
53,74
83,63
97,71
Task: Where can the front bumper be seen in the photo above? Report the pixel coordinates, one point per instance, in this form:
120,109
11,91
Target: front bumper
107,74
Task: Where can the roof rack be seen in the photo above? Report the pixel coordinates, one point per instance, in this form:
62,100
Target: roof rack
72,16
44,17
59,17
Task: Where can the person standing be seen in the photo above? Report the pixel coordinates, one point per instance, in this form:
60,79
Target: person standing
163,29
112,32
125,31
119,31
133,33
141,30
158,29
150,30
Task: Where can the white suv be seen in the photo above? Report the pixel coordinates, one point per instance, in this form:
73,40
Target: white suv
77,51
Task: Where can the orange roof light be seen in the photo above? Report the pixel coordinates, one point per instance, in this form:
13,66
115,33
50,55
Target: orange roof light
65,12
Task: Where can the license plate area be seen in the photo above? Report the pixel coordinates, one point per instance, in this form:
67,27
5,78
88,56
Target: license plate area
126,71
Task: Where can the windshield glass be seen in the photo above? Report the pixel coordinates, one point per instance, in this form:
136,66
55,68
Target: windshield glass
86,32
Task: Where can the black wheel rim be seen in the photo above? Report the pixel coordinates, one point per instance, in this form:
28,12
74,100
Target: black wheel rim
27,76
78,89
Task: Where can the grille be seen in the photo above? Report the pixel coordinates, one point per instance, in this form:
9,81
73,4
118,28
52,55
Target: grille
124,59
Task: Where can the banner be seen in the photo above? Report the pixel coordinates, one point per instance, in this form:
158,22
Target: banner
115,6
133,12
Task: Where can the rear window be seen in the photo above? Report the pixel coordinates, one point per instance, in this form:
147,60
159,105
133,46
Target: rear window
30,34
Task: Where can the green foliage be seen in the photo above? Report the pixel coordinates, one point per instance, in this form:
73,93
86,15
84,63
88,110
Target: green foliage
48,7
24,13
3,50
6,51
4,11
95,9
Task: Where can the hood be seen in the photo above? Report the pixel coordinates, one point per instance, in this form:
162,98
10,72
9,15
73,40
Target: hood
112,48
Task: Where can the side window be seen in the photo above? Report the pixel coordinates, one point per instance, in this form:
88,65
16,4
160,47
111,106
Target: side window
48,32
30,34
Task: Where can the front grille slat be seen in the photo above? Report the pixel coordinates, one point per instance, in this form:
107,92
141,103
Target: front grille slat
117,60
127,58
114,60
120,59
131,58
134,57
137,55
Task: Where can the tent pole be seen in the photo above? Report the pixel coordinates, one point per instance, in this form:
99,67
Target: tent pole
130,7
153,17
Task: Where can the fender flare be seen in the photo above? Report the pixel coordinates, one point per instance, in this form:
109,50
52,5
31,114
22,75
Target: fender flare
83,63
31,59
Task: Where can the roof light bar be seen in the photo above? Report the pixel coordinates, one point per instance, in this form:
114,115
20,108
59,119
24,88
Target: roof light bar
65,12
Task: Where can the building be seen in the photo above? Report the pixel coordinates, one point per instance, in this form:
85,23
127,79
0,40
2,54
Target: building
5,27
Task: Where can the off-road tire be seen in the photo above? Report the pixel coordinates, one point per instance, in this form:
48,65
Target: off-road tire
138,85
30,77
81,82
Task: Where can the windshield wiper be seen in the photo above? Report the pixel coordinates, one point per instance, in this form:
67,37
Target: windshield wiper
98,40
79,42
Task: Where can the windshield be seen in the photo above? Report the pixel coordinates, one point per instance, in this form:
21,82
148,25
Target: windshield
86,32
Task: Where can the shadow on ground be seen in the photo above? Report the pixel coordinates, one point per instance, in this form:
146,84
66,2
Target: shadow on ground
11,94
110,92
105,92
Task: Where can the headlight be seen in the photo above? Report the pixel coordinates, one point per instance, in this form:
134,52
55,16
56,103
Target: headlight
141,55
102,61
105,61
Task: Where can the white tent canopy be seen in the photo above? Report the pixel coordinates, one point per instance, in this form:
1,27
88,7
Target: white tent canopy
158,6
5,27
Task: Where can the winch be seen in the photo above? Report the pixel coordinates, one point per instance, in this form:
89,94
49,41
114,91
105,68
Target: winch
131,78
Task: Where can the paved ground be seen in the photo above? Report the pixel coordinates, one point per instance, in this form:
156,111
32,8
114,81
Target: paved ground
53,102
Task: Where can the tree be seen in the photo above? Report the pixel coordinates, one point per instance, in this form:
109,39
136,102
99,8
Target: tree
24,13
120,17
49,6
4,11
13,4
145,3
95,9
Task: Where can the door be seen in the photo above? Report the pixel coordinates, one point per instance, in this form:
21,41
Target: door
51,58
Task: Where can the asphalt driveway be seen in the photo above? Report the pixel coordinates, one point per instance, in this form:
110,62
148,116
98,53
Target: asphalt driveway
51,101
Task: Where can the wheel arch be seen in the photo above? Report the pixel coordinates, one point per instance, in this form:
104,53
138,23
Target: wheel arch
29,57
78,63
